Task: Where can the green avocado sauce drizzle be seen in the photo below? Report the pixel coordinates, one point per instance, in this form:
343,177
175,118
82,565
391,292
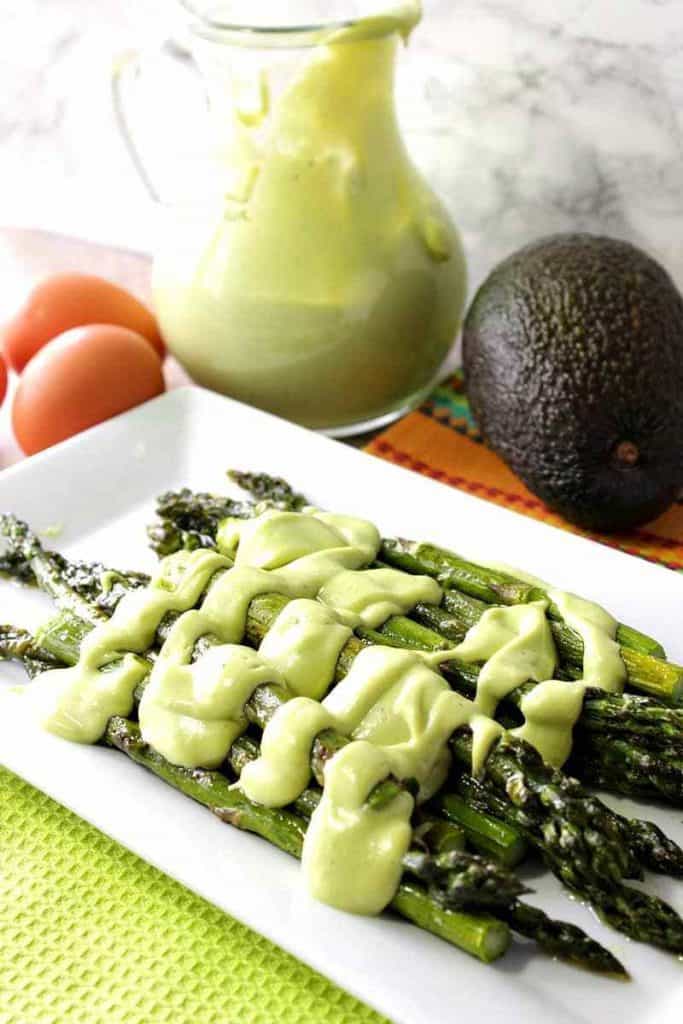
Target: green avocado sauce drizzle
393,704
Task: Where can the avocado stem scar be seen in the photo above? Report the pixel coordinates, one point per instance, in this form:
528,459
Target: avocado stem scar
627,453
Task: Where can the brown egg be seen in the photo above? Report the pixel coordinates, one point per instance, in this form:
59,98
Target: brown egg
81,378
63,301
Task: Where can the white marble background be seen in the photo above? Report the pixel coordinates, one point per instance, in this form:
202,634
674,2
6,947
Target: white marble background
530,117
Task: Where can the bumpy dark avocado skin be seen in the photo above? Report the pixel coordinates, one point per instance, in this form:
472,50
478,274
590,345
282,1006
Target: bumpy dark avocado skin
573,356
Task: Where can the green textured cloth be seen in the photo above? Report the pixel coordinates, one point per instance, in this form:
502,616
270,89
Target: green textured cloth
91,934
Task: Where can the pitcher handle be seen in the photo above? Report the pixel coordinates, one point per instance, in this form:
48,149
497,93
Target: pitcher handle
125,76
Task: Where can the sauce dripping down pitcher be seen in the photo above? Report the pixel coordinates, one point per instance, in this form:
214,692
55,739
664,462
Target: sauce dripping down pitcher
319,277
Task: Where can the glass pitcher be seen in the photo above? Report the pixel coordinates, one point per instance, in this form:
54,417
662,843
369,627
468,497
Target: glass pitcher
314,273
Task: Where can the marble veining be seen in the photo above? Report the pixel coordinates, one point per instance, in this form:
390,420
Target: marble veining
558,117
528,117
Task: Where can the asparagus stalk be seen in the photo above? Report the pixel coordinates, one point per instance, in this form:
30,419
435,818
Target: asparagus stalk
452,878
653,677
491,586
630,716
604,713
439,835
649,774
202,513
165,539
558,938
568,822
582,841
24,557
637,743
637,914
481,936
272,489
455,878
593,817
18,644
59,643
642,656
398,629
654,849
62,635
86,588
488,835
455,881
60,639
459,612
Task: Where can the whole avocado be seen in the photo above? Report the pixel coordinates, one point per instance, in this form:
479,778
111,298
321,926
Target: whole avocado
573,359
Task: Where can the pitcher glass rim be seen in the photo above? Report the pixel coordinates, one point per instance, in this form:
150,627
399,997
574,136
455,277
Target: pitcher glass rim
386,20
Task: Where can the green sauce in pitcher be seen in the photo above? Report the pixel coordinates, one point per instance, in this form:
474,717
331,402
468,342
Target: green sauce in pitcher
326,282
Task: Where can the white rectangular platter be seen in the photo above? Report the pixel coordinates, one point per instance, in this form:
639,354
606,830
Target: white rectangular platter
101,486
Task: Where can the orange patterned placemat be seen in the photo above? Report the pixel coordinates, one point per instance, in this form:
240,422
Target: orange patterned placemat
441,440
